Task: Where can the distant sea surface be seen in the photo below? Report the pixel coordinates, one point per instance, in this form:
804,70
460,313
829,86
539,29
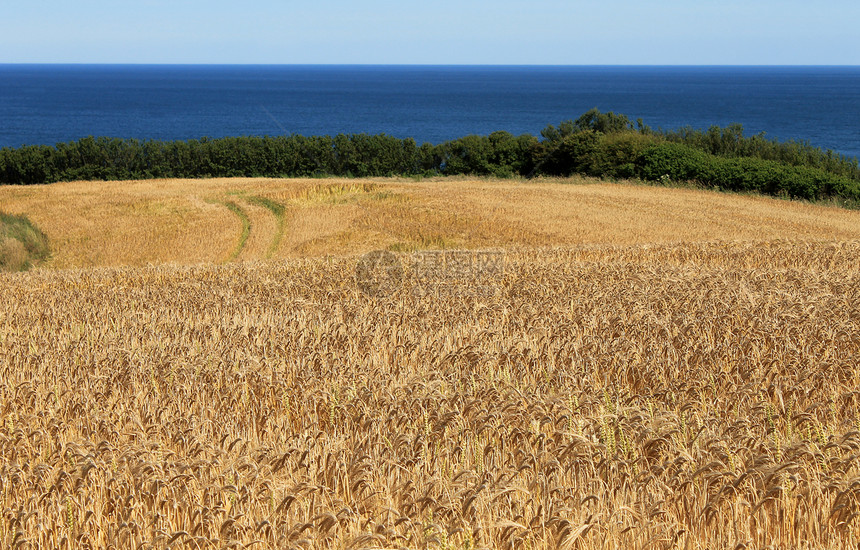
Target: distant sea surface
46,104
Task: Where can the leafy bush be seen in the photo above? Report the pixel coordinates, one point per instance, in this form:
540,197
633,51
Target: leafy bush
683,163
674,161
730,142
616,154
569,153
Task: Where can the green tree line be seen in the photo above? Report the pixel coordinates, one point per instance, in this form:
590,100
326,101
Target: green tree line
598,144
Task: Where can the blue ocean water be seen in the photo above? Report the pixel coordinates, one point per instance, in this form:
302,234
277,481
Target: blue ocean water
46,104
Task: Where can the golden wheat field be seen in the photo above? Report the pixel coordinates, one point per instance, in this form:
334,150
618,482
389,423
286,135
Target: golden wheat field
622,383
139,223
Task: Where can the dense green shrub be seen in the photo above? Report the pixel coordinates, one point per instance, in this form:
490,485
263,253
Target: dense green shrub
499,154
616,155
466,155
674,161
682,163
568,153
730,142
512,155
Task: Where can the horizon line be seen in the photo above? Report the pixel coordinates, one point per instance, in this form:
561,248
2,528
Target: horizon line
216,64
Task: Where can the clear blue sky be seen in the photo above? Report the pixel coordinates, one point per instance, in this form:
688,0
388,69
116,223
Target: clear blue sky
577,32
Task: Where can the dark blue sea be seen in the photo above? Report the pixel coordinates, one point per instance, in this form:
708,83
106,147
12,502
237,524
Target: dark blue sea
46,104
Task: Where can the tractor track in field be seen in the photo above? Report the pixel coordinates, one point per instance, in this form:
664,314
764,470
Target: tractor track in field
277,210
245,232
263,223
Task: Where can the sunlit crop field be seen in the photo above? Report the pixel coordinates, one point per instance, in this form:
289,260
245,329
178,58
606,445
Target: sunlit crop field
156,222
631,396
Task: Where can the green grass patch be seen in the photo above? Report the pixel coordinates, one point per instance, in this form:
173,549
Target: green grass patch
22,244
